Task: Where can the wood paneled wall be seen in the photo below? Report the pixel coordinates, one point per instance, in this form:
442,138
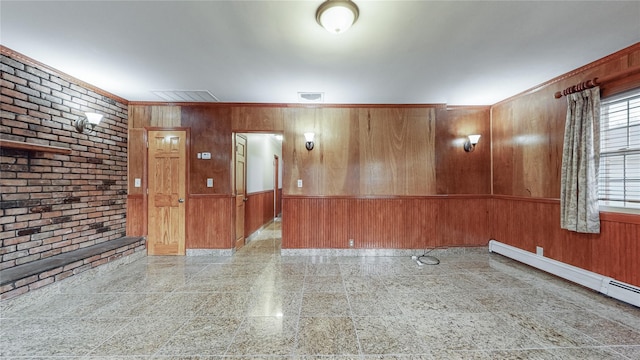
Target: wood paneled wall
137,161
209,222
527,223
154,116
459,172
528,129
136,215
385,223
376,151
527,146
257,118
527,141
258,211
210,132
279,203
208,218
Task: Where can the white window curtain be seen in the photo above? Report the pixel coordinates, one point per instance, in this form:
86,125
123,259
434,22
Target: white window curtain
580,163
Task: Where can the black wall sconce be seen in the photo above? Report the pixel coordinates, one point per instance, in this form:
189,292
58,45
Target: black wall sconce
309,136
470,143
88,122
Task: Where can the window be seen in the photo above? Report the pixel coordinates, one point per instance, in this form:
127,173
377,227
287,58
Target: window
619,180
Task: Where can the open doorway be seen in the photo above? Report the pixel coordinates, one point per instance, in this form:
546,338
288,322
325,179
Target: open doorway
264,169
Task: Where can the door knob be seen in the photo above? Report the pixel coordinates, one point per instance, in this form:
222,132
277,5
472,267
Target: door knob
181,200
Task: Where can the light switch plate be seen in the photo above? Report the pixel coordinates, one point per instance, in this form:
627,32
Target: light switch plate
137,182
209,182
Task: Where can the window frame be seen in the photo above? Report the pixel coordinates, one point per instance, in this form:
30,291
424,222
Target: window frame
628,95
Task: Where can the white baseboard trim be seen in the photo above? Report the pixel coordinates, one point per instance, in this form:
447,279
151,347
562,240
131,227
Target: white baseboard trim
603,284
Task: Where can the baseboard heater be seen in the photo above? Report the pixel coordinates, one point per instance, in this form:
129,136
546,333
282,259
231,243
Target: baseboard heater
605,285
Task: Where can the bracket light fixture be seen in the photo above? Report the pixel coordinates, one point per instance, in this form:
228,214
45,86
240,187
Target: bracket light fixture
309,136
88,123
470,143
337,16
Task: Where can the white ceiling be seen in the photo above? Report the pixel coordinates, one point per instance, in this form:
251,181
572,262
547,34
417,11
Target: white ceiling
398,52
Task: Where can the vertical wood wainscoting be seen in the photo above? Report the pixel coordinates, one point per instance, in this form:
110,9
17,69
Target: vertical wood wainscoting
209,222
410,222
137,169
136,215
279,203
258,211
529,222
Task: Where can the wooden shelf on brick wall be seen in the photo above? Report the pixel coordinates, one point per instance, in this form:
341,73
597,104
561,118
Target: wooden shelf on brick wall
10,144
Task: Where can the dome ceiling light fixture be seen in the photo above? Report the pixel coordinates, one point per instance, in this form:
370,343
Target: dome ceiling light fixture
337,15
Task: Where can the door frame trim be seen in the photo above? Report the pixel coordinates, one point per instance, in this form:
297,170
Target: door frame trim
276,180
235,134
232,172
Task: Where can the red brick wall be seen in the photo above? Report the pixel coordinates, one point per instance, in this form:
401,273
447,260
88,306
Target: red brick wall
52,203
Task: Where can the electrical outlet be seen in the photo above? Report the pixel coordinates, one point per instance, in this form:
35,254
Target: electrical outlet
210,182
299,183
539,251
351,243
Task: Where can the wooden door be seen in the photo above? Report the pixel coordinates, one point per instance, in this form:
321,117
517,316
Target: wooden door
241,187
167,194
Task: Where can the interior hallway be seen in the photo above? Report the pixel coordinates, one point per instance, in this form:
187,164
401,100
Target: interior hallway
258,304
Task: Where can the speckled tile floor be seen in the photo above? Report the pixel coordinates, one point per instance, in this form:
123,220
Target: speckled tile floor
261,305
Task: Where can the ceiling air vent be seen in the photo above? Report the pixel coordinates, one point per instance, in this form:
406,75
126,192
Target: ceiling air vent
311,97
186,95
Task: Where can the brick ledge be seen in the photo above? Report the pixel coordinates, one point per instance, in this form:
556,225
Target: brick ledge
92,255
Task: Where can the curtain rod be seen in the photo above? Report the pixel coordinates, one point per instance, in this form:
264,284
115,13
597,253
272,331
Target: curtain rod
577,88
595,82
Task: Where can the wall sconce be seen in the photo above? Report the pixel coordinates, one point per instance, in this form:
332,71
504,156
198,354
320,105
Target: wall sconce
309,137
88,122
471,142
